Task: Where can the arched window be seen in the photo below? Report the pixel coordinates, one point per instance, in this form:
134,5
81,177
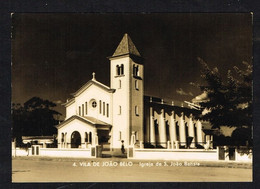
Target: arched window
136,84
117,70
137,70
104,108
136,111
86,137
62,137
119,84
107,110
90,137
79,111
119,110
82,109
122,69
100,107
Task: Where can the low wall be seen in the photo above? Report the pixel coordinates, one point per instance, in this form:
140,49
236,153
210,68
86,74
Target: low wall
244,157
21,152
56,152
177,154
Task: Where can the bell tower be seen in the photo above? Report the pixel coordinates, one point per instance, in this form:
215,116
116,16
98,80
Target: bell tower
127,78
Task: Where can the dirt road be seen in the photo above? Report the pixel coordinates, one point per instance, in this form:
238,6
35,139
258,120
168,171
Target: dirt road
121,170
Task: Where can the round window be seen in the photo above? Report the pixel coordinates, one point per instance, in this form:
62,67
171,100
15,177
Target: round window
94,104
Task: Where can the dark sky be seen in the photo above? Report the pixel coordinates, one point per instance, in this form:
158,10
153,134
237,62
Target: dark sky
55,54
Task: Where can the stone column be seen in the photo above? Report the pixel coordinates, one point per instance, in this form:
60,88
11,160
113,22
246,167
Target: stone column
168,144
152,129
173,133
147,126
162,129
132,141
182,131
191,131
199,133
65,139
96,139
69,141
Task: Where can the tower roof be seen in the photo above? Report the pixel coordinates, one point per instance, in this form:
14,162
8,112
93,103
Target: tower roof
126,46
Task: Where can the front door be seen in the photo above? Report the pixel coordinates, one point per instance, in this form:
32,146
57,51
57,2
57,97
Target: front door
75,139
103,141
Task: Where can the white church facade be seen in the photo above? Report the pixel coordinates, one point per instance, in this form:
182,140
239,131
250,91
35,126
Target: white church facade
98,114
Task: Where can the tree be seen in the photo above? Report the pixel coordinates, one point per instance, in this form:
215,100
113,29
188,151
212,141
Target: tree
35,118
229,100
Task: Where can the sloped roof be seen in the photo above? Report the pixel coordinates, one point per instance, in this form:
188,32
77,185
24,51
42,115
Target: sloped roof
165,101
37,137
126,46
89,83
88,120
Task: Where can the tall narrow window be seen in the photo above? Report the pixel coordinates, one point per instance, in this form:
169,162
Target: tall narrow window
107,110
134,68
86,107
62,137
82,109
79,111
119,84
119,110
117,70
100,107
86,137
136,111
90,137
119,135
104,108
137,70
136,84
122,69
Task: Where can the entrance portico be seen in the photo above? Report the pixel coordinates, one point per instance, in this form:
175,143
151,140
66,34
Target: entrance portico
81,132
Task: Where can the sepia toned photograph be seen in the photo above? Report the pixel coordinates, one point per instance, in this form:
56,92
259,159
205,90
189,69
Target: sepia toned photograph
151,97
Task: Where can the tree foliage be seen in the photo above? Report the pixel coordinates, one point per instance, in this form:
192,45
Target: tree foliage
36,117
229,99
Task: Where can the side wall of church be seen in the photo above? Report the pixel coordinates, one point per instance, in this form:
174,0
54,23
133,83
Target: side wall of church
137,104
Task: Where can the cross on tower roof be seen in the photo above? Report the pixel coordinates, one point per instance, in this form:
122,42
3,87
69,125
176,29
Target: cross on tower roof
126,46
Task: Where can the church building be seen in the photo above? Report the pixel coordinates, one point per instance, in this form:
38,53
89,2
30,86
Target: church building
121,113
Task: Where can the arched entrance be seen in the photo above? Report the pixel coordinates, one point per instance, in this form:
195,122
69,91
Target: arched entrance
75,139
